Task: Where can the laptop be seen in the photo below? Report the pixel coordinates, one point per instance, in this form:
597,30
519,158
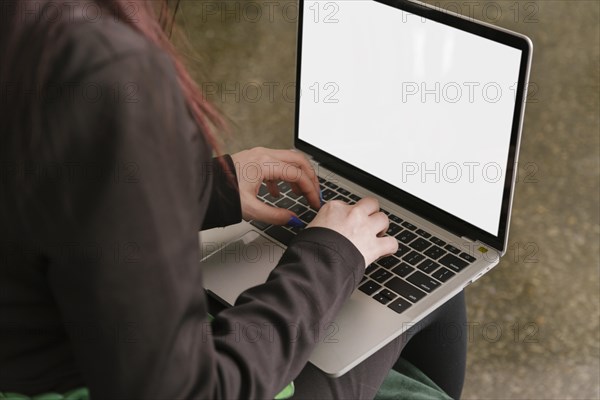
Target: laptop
420,108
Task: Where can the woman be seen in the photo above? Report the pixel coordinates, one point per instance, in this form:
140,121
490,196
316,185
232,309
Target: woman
107,177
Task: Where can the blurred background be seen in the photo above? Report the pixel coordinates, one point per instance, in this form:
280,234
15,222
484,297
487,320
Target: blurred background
534,320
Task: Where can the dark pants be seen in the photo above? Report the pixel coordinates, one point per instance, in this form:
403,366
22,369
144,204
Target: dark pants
437,346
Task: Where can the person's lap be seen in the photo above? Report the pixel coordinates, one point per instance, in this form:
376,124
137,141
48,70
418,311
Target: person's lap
437,346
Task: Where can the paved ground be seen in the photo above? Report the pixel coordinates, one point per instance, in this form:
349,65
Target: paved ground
535,318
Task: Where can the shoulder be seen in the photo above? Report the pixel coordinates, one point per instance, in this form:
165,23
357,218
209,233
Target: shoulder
105,81
50,48
84,45
94,79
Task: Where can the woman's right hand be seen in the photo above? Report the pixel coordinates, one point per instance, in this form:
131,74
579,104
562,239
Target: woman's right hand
362,223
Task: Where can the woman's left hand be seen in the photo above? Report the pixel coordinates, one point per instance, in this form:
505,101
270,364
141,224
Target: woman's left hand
272,166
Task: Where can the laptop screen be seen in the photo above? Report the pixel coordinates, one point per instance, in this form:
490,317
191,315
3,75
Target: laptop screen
423,106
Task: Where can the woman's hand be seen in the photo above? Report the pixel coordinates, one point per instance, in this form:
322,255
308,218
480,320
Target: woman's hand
363,224
272,166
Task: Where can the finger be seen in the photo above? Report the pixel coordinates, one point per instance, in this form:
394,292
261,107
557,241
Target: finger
273,188
380,223
294,175
296,189
269,214
368,204
388,244
294,157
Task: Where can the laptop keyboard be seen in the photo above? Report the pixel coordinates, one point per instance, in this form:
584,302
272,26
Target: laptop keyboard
422,263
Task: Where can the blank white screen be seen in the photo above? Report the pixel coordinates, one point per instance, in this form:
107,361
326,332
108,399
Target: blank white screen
421,105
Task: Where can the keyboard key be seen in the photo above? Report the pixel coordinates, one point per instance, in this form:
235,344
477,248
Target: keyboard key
406,236
271,199
308,216
428,266
284,187
423,281
381,275
354,197
263,190
409,226
341,198
396,218
331,185
380,297
434,252
371,268
344,192
286,202
388,262
328,194
421,232
467,257
405,289
452,249
384,211
388,293
298,209
420,244
393,229
413,258
399,305
443,274
281,234
437,240
369,287
301,200
295,230
260,225
453,262
402,250
293,195
321,180
403,269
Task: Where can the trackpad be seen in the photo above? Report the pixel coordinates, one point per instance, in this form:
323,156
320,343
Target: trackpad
239,265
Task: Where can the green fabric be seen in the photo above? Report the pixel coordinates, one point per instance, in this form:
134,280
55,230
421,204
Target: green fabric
409,382
286,393
406,383
83,394
77,394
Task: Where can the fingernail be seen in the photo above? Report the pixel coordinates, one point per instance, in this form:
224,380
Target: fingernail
295,222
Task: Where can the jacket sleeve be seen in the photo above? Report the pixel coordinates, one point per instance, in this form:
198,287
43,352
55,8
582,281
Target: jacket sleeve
224,207
123,257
